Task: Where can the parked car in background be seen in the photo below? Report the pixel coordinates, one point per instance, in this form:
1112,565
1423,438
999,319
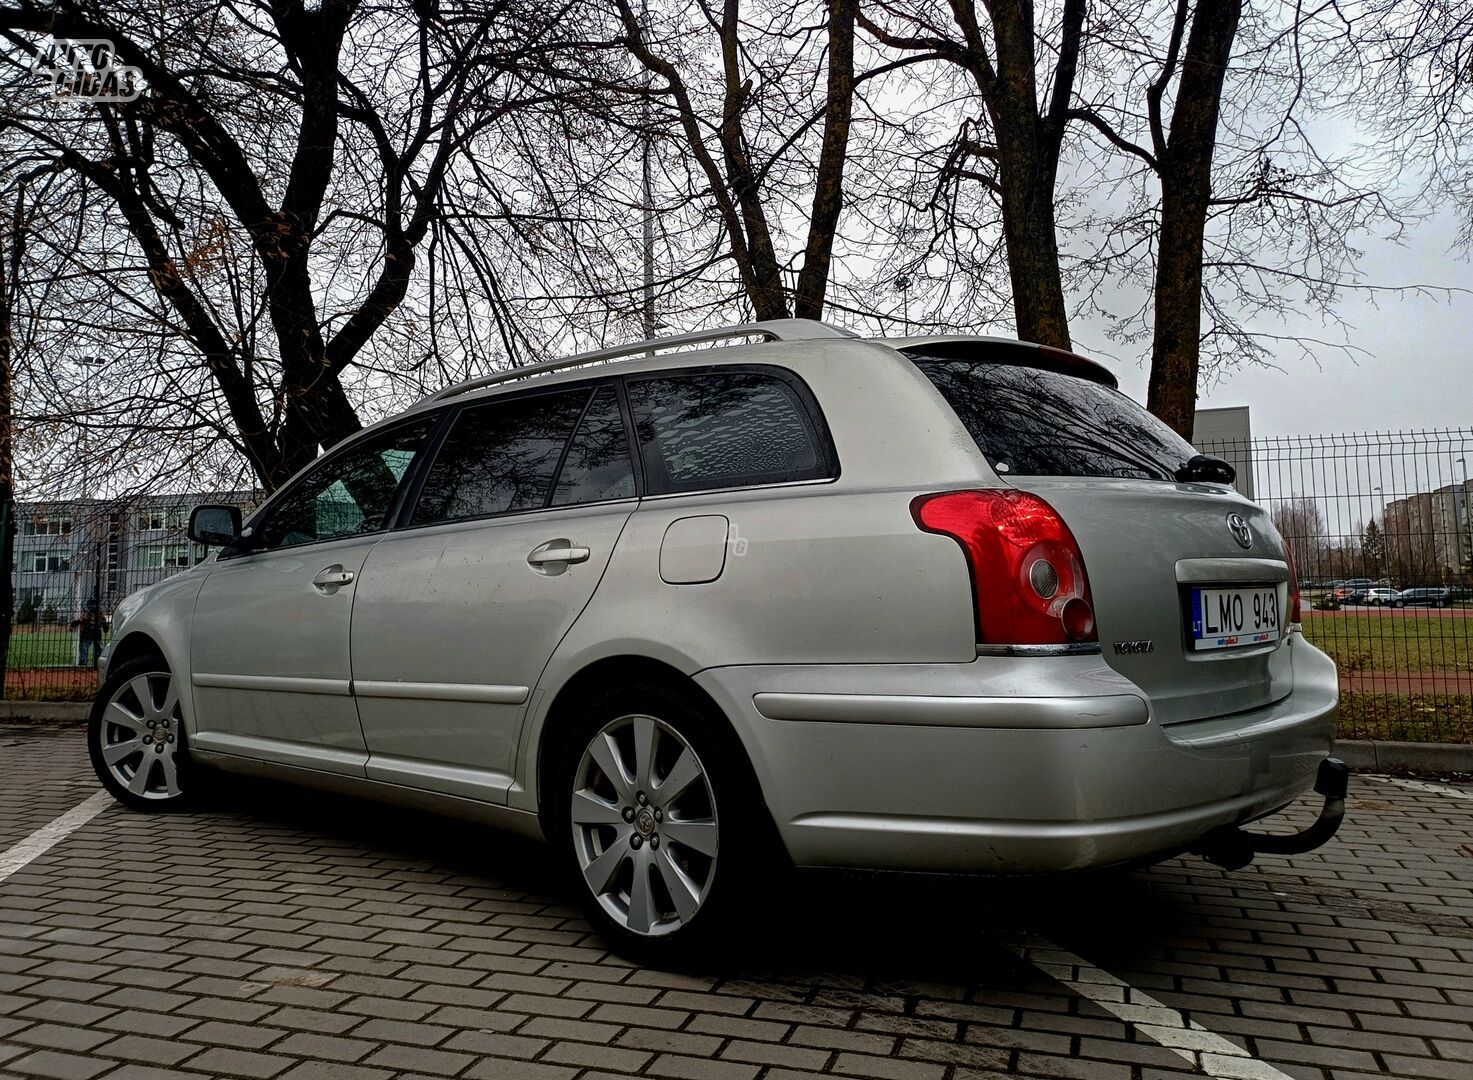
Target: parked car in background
938,604
1379,597
1350,590
1439,596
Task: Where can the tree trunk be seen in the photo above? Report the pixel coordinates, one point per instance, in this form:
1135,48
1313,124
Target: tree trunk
764,276
1033,250
1172,392
1186,190
828,191
318,414
1027,156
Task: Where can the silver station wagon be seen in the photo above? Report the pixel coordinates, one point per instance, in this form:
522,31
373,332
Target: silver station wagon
940,604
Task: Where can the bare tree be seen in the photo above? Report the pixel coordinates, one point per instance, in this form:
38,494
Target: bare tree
1410,68
722,150
1234,212
1168,142
1302,526
1410,540
284,171
998,49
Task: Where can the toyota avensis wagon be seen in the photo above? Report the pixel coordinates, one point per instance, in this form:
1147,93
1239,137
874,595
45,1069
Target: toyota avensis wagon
943,604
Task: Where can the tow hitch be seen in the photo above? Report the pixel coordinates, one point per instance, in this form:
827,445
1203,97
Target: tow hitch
1232,847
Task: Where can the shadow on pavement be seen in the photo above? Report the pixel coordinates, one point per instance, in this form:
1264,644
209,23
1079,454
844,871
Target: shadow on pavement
873,928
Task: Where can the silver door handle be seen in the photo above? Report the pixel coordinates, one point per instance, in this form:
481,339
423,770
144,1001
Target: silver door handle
332,577
566,553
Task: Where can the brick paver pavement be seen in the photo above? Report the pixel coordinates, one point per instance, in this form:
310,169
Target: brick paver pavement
290,935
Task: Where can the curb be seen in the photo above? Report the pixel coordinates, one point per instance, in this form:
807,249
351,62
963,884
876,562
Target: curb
53,711
1374,755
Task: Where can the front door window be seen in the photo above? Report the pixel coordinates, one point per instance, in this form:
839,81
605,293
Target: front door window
348,494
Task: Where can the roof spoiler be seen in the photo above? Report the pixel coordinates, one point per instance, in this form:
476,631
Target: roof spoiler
1007,351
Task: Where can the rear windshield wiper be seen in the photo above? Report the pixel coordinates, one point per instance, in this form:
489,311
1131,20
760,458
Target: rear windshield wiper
1204,468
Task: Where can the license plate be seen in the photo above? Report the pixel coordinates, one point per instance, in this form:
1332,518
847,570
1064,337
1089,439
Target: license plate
1225,618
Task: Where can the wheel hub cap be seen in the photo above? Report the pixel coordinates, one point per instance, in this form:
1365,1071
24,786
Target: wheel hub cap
644,825
139,735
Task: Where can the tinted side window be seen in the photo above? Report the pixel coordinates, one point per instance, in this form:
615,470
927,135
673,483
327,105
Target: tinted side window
349,493
500,457
598,465
1032,422
724,429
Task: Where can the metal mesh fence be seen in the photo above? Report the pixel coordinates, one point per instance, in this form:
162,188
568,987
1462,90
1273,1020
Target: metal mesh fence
1379,526
74,561
1381,535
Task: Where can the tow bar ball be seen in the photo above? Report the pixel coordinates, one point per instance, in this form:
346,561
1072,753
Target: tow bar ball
1232,847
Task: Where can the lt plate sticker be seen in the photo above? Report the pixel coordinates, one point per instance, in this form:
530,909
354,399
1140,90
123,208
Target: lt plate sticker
1224,618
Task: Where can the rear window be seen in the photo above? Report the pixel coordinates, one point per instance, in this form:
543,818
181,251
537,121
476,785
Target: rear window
1030,422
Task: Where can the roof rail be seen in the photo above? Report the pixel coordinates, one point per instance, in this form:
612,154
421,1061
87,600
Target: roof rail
771,329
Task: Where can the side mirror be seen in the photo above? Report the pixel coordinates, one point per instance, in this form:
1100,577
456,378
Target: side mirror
218,526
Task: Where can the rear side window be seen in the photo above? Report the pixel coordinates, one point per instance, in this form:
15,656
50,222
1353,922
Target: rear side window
724,429
1030,422
500,457
598,466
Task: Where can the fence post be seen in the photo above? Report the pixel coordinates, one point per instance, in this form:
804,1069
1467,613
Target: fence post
7,478
7,565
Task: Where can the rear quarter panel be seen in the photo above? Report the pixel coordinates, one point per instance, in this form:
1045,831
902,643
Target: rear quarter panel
822,572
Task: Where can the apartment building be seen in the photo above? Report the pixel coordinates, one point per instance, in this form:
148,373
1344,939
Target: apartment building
1429,536
70,553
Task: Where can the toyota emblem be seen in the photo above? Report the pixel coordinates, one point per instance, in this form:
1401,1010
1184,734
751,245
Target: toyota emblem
1240,530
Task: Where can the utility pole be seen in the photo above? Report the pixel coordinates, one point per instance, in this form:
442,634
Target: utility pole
647,145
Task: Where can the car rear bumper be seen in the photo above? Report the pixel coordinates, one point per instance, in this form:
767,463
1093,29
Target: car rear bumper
1011,764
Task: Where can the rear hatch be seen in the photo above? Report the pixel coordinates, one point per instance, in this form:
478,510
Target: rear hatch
1184,608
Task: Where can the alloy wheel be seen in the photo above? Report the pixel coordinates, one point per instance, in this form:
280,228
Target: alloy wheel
140,733
644,825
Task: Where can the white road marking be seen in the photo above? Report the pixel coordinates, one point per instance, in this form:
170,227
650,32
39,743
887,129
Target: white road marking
1204,1050
1417,785
48,836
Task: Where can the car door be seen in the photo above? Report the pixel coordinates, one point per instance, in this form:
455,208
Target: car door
460,610
269,644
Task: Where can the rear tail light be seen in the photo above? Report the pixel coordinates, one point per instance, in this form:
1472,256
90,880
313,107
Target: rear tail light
1028,581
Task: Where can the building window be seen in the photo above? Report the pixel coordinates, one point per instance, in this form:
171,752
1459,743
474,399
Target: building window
164,557
49,526
160,519
49,562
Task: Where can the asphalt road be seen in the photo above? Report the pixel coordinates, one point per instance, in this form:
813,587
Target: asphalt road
292,935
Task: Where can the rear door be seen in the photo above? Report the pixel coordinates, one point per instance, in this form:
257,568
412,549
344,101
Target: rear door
459,611
1189,580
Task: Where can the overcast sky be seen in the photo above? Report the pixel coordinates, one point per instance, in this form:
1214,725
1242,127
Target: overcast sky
1418,372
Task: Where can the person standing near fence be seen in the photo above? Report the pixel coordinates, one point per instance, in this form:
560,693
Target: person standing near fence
89,635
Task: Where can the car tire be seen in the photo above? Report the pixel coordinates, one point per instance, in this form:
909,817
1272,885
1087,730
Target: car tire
1444,603
1397,604
662,854
136,740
